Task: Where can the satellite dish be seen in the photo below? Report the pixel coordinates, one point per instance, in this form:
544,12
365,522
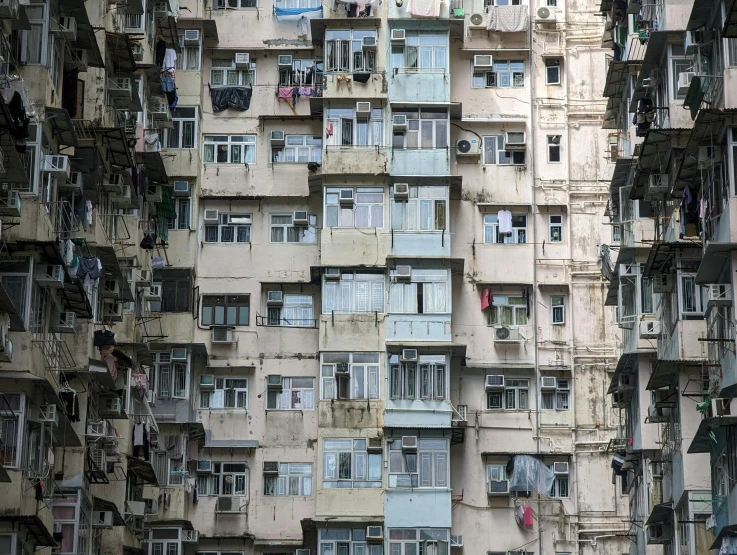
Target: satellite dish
463,146
477,19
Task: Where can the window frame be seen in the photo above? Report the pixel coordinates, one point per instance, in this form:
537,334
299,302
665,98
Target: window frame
307,231
554,149
236,228
239,306
420,380
504,395
288,390
675,61
419,194
491,230
411,464
299,75
314,150
214,484
247,148
272,484
501,156
561,484
499,77
416,295
414,58
186,50
555,228
414,136
336,291
338,120
275,314
558,400
331,201
207,396
331,387
246,77
557,310
183,218
178,122
341,54
338,454
19,433
553,64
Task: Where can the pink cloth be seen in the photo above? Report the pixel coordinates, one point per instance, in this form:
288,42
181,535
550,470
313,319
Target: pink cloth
285,92
424,8
528,516
487,297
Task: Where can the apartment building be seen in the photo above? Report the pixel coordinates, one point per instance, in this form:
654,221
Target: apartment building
302,277
670,115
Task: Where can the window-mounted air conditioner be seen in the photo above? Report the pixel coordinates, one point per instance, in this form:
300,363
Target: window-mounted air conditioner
409,443
211,215
153,292
284,60
368,43
181,189
68,28
720,295
657,185
242,60
44,413
346,196
179,354
57,165
658,534
189,536
619,400
515,140
207,381
398,36
300,218
663,283
497,487
399,123
11,204
102,519
332,273
144,277
403,272
342,368
50,275
721,407
138,51
401,191
112,182
64,322
374,534
494,382
692,41
375,444
277,138
75,182
363,110
192,37
684,81
204,466
275,298
560,468
408,355
95,428
271,468
626,382
111,405
274,382
110,288
137,508
9,9
482,61
548,382
98,459
223,335
456,541
650,329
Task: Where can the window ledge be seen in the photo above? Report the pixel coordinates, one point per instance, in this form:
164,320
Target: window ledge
288,410
224,409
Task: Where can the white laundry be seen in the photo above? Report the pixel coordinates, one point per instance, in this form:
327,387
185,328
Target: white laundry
505,221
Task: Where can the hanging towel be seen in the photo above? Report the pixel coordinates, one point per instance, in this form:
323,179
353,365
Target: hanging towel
507,19
284,92
424,8
305,91
505,221
303,26
487,298
528,513
702,208
196,495
138,434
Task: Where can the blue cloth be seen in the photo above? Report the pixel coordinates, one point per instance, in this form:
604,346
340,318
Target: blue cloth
295,11
167,83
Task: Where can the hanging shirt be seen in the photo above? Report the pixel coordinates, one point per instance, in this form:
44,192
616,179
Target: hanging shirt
303,25
170,58
505,221
138,434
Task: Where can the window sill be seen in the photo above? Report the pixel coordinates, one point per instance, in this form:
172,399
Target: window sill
288,410
227,244
421,488
223,409
285,243
239,164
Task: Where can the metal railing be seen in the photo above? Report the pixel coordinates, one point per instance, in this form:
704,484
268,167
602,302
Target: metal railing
65,221
275,322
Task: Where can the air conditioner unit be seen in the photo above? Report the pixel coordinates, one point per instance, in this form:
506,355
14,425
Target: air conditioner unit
181,189
547,382
401,191
619,400
50,275
626,382
460,414
375,444
494,382
98,459
657,185
300,218
137,50
332,273
102,519
204,466
112,182
658,534
403,272
158,107
628,270
346,196
207,381
409,443
74,183
110,288
456,541
363,110
45,413
122,197
374,534
409,355
692,41
192,36
504,334
111,405
6,346
179,354
515,140
228,504
275,298
271,467
663,283
497,487
368,43
137,508
9,9
95,428
144,277
720,295
274,382
190,536
68,28
161,10
284,61
399,123
12,205
649,82
560,468
243,60
468,147
64,322
153,292
398,36
684,81
112,311
211,215
57,165
342,368
721,407
483,61
545,14
277,138
650,329
477,21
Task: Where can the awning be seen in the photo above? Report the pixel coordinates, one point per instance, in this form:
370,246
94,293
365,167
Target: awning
174,522
730,21
528,453
661,514
616,78
15,171
121,52
702,442
111,269
142,469
61,126
260,542
611,113
612,294
229,443
662,255
457,349
99,371
716,256
727,531
665,372
22,23
319,24
622,168
6,303
154,162
34,526
167,27
116,146
627,364
656,43
330,521
414,426
210,27
85,39
702,13
654,151
100,504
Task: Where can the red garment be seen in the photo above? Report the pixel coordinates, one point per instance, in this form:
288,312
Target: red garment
528,516
487,298
285,92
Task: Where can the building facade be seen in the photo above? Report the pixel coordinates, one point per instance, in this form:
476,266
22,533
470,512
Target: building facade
304,277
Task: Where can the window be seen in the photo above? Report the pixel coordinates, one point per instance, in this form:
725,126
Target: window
488,3
355,291
616,233
426,209
184,131
557,399
232,228
171,376
302,72
229,393
345,129
557,309
176,291
344,51
182,210
230,149
508,311
554,149
226,479
692,296
31,42
232,4
335,541
366,211
514,396
171,547
297,311
504,74
492,234
348,464
12,430
296,394
423,51
555,228
283,229
494,152
647,301
223,73
189,57
679,63
427,468
298,149
349,376
411,541
560,485
426,379
225,310
427,292
294,479
426,128
552,71
65,521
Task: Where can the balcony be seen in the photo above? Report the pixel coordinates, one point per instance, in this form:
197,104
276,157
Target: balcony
418,327
420,161
418,244
423,506
419,85
352,246
336,88
682,343
417,413
342,332
449,12
354,159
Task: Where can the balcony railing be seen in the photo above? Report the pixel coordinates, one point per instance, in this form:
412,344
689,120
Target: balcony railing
279,322
66,223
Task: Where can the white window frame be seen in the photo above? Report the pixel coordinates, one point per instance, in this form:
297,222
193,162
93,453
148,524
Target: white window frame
232,300
557,310
215,399
425,541
403,295
368,372
183,211
235,4
554,147
500,156
561,485
426,209
421,47
235,228
555,228
553,63
331,471
513,386
409,470
697,293
518,311
363,291
345,53
244,77
492,235
424,380
246,144
178,120
347,542
216,483
291,478
299,304
499,77
293,152
19,423
677,64
186,51
307,234
333,208
559,399
284,399
303,70
413,137
338,119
